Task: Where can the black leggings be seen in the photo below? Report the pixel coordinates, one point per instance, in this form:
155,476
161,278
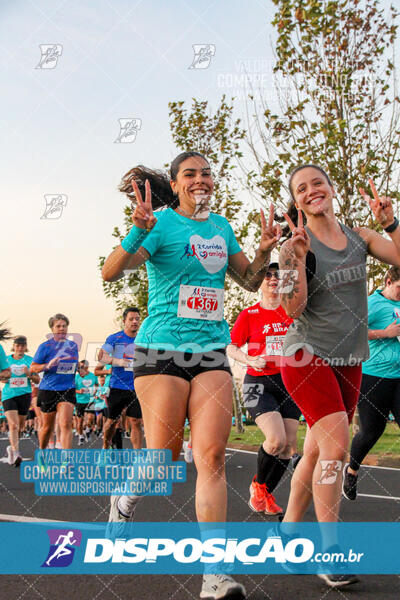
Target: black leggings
378,396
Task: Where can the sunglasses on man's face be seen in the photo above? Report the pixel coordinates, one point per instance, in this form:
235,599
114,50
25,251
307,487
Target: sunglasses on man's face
270,274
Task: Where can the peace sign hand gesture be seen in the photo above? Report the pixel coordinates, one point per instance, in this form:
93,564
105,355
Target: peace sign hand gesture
142,215
381,206
270,234
300,241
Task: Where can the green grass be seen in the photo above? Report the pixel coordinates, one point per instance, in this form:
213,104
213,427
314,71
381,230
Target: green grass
388,444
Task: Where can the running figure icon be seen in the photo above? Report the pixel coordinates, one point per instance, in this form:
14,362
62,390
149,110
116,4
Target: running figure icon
62,550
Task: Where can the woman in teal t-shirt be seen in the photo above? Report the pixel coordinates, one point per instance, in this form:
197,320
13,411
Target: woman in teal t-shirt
17,395
181,369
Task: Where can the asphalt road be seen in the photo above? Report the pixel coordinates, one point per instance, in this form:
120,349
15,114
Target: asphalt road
18,499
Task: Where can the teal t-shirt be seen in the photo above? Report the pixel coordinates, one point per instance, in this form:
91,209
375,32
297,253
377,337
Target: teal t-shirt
18,383
3,359
384,360
99,402
87,382
186,272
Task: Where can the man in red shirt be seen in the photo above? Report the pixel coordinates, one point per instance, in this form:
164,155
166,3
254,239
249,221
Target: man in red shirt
262,327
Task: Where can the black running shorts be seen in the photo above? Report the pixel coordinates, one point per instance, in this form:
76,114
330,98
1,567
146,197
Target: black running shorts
20,403
185,365
267,393
49,399
120,399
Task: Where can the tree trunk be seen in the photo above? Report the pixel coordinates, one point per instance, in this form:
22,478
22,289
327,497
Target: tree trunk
237,408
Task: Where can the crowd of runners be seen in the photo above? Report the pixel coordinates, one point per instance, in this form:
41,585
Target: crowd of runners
310,344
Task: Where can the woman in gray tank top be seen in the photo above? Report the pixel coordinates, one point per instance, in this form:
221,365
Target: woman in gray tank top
326,295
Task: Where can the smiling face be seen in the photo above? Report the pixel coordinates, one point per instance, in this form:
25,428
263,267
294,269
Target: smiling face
312,192
269,286
194,183
19,349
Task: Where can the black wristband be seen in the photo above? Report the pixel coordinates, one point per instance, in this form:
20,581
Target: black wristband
392,227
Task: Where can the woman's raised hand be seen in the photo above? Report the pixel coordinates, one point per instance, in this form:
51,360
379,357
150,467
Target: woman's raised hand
142,215
300,241
381,206
270,233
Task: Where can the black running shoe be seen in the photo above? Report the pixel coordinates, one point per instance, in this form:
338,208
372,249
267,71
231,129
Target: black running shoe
349,485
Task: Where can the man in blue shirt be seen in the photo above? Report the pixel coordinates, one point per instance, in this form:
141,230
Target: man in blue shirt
57,358
118,351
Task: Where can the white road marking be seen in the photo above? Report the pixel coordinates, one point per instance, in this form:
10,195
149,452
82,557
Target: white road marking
380,497
19,519
376,467
4,459
363,466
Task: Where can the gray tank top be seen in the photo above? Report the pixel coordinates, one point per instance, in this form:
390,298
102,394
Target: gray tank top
335,320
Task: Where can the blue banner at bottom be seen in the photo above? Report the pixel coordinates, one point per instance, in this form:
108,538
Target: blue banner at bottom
189,548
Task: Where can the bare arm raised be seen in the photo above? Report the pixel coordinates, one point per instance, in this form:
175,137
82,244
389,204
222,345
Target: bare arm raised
292,266
387,251
130,254
251,274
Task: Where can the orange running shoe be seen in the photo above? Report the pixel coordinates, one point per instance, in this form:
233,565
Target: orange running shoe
271,507
258,493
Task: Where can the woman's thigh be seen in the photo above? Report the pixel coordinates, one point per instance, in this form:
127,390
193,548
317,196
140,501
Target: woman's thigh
210,412
163,400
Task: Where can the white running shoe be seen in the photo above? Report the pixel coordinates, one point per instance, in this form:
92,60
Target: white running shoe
50,446
217,586
81,440
187,452
117,521
58,446
10,455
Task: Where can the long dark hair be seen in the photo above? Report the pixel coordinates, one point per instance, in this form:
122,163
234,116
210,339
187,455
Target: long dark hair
291,207
161,192
5,334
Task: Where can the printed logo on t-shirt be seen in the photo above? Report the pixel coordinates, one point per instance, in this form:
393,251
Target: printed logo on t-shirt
275,328
396,315
212,254
345,274
17,370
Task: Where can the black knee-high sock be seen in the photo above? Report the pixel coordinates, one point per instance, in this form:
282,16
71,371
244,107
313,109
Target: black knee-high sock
265,462
275,472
